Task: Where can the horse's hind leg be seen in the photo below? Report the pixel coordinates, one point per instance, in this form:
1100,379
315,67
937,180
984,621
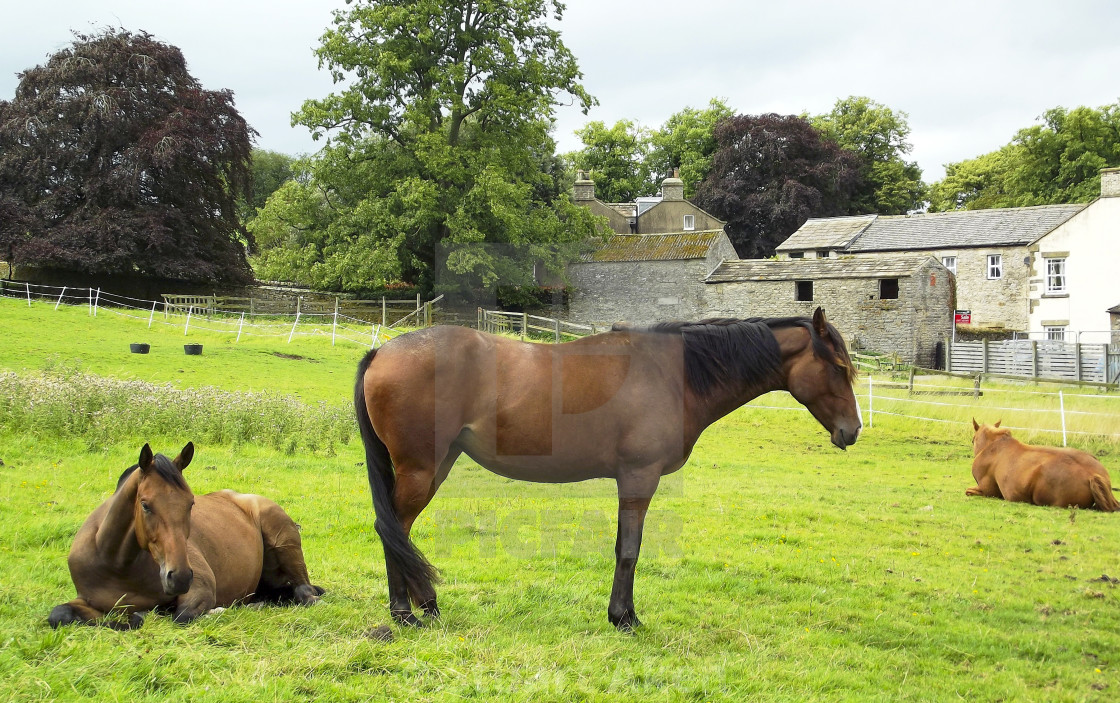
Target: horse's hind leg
284,571
415,486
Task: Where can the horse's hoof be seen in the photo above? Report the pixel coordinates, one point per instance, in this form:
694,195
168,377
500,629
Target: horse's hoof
627,623
61,615
407,618
430,609
307,594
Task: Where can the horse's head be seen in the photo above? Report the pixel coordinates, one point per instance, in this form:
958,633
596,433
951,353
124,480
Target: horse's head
163,516
819,374
984,435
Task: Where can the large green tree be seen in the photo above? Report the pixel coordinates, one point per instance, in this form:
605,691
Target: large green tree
114,159
685,144
1058,161
437,141
878,136
615,158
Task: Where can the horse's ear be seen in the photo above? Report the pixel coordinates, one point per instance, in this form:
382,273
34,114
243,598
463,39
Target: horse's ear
146,456
997,423
975,426
820,324
185,456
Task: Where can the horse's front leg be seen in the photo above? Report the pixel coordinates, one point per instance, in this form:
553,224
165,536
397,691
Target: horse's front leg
634,495
200,598
80,612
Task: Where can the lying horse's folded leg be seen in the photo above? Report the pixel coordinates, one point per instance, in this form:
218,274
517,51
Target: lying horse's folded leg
80,612
284,570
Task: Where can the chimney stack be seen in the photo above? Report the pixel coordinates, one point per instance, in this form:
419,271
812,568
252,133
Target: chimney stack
584,188
672,188
1110,182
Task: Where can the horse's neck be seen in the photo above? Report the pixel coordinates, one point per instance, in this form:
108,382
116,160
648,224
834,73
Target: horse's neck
116,535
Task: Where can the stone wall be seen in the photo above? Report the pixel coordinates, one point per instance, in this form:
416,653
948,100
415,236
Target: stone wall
637,292
911,325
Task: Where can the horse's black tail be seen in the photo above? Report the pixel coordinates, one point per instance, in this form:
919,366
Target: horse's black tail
400,552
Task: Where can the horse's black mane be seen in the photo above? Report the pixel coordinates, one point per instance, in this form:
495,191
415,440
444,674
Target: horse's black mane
163,468
720,350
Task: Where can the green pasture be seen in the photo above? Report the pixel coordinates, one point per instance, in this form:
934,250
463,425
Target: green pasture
775,567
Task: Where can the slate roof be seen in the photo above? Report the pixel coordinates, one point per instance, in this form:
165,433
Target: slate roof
816,269
656,247
935,230
1115,309
826,233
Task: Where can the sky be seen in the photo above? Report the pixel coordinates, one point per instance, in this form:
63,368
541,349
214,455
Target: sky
968,75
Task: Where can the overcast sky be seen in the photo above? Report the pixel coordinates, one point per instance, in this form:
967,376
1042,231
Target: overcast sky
968,74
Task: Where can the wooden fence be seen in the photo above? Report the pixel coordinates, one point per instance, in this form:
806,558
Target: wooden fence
1039,360
533,326
384,311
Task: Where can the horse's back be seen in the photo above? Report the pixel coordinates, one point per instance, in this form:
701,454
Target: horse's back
1055,476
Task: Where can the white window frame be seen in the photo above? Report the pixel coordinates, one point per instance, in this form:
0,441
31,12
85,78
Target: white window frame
950,262
689,223
1056,279
1056,333
995,267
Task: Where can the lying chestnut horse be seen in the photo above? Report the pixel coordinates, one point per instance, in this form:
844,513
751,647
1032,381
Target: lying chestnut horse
145,547
1006,468
628,405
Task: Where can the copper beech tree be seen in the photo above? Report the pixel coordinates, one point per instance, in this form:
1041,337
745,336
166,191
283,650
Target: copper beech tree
115,160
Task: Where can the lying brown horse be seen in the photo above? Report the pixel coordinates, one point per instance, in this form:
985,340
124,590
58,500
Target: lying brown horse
1006,468
145,547
628,404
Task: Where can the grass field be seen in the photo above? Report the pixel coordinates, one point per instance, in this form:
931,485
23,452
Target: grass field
775,567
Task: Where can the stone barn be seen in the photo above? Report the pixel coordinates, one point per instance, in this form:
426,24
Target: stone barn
646,278
903,304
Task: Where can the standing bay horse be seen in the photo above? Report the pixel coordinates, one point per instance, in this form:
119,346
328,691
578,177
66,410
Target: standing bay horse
1006,468
153,544
628,404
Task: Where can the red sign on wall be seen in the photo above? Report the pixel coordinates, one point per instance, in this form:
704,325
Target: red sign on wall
962,317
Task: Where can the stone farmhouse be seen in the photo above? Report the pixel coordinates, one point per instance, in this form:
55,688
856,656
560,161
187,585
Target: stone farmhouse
652,269
901,304
986,250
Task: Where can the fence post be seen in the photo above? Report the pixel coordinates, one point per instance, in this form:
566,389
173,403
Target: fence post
60,300
910,385
27,285
150,317
383,321
90,301
557,330
1077,360
334,327
976,386
188,325
240,325
870,400
293,332
949,354
524,325
984,352
1034,359
1062,409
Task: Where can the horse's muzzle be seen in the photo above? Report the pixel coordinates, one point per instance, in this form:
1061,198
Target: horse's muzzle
177,582
845,438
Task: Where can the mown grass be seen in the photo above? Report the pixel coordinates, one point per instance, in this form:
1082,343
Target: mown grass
774,568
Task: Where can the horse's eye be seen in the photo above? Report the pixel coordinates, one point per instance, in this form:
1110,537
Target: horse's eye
145,507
